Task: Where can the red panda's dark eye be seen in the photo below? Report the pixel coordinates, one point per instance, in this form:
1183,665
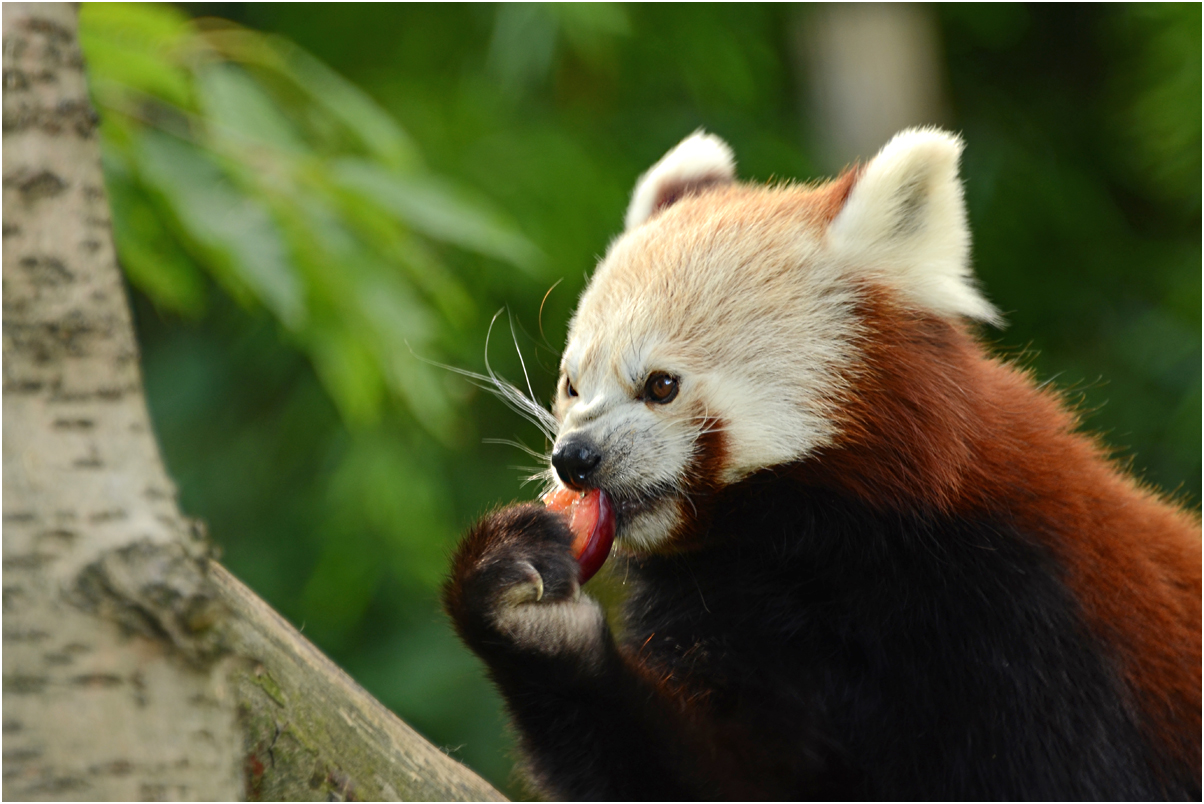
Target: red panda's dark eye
660,388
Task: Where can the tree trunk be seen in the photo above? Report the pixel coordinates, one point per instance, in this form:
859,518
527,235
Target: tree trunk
134,666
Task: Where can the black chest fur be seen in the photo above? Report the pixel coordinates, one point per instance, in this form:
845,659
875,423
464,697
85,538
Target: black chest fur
843,652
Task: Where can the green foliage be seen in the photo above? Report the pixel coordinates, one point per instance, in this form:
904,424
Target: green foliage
294,247
293,190
1157,90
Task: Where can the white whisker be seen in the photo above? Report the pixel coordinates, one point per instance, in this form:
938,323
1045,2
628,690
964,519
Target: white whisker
519,352
548,479
517,445
525,406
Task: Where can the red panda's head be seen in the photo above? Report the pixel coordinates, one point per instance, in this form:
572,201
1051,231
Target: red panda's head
719,334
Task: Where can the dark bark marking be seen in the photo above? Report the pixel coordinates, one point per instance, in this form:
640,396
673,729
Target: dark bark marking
23,386
110,515
97,680
15,80
27,561
74,424
49,341
205,701
67,116
11,596
58,659
57,537
48,28
46,271
83,117
21,754
92,461
24,685
341,788
160,591
37,186
57,784
163,792
105,394
119,767
27,635
138,683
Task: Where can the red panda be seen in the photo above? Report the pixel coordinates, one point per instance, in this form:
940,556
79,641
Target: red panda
868,559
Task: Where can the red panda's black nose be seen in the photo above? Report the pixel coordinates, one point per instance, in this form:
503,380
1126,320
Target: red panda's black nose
575,460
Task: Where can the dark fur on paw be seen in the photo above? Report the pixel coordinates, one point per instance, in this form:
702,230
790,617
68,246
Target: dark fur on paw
513,586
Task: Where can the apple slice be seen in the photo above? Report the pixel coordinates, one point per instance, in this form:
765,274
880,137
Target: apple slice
592,523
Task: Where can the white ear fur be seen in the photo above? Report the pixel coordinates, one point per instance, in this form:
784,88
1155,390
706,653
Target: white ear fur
698,160
905,219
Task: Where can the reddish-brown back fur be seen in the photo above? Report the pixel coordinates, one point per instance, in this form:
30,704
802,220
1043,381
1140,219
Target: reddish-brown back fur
934,423
829,198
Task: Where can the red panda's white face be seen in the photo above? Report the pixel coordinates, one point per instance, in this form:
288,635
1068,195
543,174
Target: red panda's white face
719,334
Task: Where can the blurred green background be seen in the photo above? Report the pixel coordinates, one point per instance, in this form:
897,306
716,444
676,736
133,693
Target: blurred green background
312,200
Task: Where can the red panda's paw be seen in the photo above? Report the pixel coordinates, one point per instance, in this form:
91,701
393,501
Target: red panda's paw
514,588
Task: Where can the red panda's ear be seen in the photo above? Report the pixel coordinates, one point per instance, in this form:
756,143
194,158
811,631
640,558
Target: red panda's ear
904,223
700,160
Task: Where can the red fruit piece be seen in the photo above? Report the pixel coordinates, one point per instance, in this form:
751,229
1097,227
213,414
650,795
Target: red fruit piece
591,523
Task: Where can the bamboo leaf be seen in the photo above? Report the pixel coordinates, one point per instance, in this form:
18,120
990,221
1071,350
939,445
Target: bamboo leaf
227,224
149,254
238,107
440,211
380,135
